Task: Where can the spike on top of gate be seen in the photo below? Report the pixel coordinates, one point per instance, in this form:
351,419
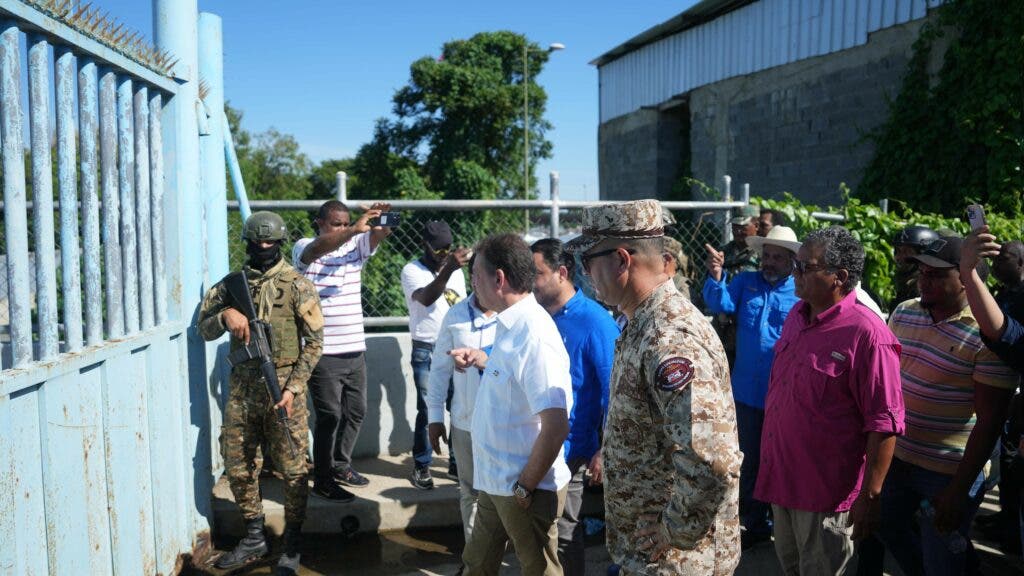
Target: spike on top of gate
100,26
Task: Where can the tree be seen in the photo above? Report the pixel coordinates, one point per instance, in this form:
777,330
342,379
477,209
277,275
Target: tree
458,126
272,165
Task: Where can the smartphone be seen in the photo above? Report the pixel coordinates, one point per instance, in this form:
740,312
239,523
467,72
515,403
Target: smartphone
387,220
976,216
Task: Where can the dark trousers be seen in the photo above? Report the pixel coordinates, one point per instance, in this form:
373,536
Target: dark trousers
338,389
753,513
570,527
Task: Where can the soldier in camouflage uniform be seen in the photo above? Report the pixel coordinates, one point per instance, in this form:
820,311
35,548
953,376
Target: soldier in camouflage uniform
290,304
670,449
738,258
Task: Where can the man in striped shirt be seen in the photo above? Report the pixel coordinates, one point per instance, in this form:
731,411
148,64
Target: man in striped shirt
957,393
333,261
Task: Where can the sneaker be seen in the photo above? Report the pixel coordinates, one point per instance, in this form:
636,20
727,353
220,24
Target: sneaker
453,470
350,477
333,492
421,479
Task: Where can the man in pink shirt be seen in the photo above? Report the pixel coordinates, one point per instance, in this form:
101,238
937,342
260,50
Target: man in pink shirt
833,409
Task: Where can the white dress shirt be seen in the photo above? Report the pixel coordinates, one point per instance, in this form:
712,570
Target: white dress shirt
527,372
464,326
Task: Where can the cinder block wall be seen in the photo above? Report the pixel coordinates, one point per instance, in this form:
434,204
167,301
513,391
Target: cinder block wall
797,128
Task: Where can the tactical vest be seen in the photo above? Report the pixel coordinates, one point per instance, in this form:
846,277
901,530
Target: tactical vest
284,320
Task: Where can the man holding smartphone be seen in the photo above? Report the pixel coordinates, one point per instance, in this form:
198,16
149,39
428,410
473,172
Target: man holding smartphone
333,261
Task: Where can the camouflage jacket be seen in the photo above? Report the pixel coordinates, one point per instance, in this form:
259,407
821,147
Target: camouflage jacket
670,443
740,258
300,308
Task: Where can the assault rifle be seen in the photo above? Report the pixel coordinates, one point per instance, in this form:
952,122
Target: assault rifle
260,346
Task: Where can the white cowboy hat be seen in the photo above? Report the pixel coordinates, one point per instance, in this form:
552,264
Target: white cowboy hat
781,236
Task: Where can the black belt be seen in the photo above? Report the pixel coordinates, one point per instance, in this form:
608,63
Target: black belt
421,345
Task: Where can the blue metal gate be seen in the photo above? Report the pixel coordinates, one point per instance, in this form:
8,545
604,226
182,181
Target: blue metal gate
107,404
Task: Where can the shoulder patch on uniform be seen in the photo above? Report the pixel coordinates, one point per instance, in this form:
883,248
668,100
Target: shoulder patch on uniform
674,373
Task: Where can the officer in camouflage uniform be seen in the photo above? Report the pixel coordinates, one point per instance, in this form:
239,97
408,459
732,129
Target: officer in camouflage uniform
290,303
671,455
738,258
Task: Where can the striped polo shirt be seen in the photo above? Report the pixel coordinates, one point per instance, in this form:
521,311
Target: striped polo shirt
940,365
337,276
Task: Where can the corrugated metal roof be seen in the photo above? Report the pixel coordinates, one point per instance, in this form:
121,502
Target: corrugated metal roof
720,39
696,15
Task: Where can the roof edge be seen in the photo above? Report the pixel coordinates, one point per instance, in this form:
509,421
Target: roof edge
700,13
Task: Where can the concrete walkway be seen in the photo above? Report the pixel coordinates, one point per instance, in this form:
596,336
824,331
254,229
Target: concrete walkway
405,531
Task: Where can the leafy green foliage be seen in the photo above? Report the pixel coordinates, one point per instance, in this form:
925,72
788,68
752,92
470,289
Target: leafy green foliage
876,230
458,127
958,135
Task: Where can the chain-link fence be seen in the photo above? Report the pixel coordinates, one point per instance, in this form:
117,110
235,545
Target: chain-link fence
382,291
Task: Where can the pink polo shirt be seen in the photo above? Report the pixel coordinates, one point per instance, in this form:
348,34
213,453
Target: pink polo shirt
833,381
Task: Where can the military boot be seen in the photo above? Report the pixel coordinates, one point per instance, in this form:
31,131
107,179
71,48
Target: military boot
288,564
252,547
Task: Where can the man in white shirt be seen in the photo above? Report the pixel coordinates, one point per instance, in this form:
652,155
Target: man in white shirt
469,324
521,418
432,284
333,261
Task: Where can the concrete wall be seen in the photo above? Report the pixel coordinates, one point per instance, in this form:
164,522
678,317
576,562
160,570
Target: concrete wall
798,128
391,397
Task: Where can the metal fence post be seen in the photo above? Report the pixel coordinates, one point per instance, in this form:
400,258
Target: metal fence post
342,189
67,175
884,205
554,204
746,192
726,197
211,148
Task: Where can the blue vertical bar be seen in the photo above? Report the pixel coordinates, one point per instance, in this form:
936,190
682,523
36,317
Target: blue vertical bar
22,512
143,211
67,176
108,181
42,193
88,132
211,146
156,192
126,185
15,219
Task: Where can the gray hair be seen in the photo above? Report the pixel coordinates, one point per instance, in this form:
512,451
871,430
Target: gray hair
839,250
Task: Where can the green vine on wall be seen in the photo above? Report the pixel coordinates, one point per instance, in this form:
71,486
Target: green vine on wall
957,137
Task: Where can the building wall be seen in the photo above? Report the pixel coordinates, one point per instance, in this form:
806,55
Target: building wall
796,128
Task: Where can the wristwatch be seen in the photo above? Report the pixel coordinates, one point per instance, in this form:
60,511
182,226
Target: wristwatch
520,491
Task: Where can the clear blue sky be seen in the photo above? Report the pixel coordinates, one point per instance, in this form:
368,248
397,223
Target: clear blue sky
323,70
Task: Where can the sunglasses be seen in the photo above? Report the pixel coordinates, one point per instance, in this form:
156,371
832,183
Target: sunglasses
442,252
586,258
802,267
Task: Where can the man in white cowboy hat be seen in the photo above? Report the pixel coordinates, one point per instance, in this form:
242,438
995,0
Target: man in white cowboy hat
759,303
671,458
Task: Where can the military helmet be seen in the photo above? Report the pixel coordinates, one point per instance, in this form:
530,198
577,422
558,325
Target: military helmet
917,236
264,227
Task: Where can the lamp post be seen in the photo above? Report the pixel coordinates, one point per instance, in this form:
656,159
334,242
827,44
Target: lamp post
554,47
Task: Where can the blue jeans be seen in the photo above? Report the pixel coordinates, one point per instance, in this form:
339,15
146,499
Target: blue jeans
754,514
420,375
914,542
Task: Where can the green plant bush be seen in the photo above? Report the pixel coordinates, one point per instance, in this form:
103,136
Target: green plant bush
876,230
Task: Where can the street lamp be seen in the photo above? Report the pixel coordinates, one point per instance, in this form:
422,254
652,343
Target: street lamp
526,116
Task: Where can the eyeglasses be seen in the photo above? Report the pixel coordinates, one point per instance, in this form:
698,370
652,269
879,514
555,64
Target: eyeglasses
802,267
586,258
442,252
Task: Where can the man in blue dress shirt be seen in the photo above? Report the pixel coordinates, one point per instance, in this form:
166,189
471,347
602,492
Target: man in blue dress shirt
759,301
589,335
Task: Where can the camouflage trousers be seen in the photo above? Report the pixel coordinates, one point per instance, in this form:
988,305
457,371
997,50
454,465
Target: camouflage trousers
251,422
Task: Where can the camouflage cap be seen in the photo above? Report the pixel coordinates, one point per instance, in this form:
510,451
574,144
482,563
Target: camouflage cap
674,249
745,214
626,221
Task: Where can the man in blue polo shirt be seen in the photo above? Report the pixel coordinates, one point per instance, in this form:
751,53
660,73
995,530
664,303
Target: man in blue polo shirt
589,335
759,302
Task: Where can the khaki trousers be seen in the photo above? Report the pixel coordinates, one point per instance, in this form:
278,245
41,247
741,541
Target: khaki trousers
812,543
533,532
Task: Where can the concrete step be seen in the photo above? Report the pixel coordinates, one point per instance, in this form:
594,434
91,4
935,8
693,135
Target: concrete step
388,503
